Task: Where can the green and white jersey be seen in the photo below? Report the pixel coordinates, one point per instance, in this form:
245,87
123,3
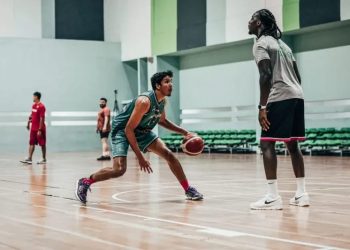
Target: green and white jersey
148,121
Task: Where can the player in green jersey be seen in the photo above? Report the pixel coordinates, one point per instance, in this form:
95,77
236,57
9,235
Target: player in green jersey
133,126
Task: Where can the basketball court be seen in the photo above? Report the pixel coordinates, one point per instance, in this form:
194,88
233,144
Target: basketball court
211,95
140,211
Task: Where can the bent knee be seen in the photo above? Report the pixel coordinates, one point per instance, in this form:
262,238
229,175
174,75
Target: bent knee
119,167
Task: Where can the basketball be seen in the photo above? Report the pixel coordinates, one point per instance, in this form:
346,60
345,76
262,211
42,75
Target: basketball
193,146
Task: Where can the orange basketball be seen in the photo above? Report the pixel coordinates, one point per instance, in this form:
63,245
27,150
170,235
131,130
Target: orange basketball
193,146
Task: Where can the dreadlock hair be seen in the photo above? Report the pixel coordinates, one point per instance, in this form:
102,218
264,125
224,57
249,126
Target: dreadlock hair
270,25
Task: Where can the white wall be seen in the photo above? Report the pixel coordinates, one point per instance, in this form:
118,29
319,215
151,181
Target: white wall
20,18
206,90
135,31
112,20
344,9
225,95
238,13
71,75
325,73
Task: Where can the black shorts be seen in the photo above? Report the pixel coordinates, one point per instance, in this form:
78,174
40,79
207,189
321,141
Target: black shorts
287,121
104,134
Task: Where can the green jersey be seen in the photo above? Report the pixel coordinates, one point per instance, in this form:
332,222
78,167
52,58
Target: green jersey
148,121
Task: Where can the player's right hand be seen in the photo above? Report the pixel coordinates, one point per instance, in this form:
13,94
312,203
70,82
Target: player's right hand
145,165
264,122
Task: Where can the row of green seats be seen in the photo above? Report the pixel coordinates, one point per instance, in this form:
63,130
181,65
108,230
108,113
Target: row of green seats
216,134
335,136
326,130
225,132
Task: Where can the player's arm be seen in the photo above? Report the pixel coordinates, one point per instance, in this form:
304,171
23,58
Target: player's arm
107,120
295,66
142,106
29,121
42,120
165,123
265,71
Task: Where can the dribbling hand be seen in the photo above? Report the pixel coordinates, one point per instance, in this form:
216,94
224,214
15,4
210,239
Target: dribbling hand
145,165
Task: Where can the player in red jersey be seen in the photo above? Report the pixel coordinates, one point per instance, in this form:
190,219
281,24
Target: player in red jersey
36,125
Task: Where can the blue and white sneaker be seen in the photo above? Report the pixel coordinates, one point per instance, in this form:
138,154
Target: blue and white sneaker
81,190
193,194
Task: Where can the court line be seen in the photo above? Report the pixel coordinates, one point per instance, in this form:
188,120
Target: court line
83,236
223,231
156,229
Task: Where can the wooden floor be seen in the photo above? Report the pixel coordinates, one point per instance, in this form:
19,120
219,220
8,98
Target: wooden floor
141,211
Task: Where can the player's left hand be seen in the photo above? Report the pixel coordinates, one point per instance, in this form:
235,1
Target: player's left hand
104,130
39,133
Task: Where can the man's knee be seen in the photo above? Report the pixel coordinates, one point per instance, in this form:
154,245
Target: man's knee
119,166
292,147
267,146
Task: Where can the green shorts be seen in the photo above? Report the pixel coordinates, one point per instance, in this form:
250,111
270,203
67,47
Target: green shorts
120,144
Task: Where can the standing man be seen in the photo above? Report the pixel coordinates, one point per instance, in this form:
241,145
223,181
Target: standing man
104,127
281,109
133,126
37,127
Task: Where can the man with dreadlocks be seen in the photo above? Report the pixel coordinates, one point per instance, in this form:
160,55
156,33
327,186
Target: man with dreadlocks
133,126
281,109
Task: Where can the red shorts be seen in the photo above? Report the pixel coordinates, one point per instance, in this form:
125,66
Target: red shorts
35,139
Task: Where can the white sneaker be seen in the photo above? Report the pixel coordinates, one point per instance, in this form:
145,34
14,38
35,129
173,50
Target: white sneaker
300,201
267,203
26,161
41,162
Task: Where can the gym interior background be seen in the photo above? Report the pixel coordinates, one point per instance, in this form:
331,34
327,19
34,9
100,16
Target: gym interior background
76,51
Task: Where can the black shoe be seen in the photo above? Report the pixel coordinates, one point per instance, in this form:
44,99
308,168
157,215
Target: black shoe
193,194
104,158
81,190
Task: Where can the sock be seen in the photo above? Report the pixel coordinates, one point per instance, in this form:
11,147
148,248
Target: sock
272,188
185,184
89,180
300,186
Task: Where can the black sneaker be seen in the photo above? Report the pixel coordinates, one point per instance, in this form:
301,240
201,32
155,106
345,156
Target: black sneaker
104,158
193,194
81,190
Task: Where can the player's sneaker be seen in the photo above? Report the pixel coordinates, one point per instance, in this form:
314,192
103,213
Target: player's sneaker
26,161
43,161
300,200
81,189
267,203
193,194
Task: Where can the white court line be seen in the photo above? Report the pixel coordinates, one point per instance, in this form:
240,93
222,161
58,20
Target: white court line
86,237
224,232
129,224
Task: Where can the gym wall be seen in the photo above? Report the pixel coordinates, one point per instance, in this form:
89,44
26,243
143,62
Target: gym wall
72,76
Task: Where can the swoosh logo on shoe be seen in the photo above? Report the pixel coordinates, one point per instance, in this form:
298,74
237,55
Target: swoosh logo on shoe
269,202
297,198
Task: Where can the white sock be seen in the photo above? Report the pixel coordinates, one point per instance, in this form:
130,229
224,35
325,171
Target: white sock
272,188
300,186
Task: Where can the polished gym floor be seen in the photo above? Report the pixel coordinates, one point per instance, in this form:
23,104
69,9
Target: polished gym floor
140,211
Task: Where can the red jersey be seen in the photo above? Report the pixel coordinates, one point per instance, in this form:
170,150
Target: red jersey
38,111
102,115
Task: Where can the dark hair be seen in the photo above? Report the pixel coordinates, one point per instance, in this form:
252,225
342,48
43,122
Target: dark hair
37,94
158,77
103,99
270,25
